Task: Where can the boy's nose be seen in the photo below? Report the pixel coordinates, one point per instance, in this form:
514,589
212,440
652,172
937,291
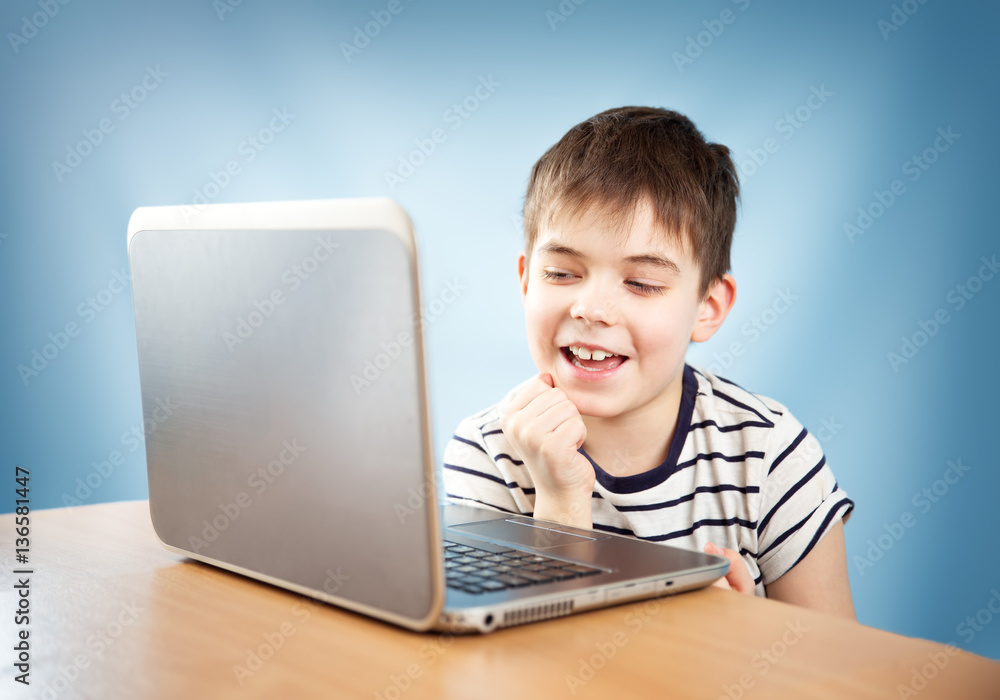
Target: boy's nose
593,307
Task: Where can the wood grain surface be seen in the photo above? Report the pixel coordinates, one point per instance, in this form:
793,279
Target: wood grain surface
115,615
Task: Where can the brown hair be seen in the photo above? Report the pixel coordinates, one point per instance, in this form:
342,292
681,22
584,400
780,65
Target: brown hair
617,158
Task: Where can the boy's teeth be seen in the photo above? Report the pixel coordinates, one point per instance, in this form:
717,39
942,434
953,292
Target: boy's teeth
585,354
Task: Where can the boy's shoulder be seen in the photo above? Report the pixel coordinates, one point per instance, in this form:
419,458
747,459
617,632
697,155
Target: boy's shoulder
717,395
478,425
726,413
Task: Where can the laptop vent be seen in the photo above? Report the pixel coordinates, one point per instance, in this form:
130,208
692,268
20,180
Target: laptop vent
538,612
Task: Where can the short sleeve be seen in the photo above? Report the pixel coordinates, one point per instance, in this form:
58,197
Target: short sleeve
800,499
470,472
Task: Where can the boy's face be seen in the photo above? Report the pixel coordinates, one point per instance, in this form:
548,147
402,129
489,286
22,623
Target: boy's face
637,299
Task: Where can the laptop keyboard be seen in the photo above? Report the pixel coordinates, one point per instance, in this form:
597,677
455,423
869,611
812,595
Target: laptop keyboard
480,571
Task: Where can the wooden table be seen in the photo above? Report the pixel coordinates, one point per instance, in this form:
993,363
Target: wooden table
114,615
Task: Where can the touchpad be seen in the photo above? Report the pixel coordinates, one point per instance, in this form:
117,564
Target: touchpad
528,533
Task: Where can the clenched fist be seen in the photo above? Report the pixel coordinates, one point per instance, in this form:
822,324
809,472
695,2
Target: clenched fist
546,430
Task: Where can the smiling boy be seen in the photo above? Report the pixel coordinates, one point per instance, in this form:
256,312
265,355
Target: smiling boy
628,225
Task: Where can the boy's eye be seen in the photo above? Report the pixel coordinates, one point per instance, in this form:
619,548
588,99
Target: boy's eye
555,275
645,288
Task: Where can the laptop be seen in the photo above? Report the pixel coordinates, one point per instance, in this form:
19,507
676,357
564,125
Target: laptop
284,388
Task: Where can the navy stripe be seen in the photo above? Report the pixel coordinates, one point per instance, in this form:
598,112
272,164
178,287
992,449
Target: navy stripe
498,431
739,404
504,455
730,428
822,528
719,455
490,477
615,530
470,442
466,470
791,492
732,383
702,523
788,450
790,531
482,503
690,496
699,373
634,483
757,580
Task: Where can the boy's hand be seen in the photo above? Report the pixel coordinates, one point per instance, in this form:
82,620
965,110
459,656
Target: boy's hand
738,578
546,429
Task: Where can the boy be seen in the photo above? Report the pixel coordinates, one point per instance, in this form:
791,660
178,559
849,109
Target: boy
628,222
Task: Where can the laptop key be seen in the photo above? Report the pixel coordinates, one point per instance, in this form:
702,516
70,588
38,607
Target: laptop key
515,554
538,559
492,585
535,567
511,581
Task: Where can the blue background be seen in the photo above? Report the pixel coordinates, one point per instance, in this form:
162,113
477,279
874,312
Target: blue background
825,356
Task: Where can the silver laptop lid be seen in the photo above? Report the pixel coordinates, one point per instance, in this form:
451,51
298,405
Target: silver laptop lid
282,365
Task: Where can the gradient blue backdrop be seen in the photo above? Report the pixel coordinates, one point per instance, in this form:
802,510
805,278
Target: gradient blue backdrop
221,75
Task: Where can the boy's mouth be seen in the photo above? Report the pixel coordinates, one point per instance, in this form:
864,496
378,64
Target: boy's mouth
591,359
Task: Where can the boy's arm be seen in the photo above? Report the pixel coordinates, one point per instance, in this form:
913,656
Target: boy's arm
800,537
471,476
819,581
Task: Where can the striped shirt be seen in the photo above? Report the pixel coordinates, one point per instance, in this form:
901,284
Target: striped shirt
741,473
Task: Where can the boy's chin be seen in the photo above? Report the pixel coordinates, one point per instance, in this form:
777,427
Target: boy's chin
592,406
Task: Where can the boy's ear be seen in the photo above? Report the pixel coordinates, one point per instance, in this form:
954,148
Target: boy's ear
714,308
522,274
